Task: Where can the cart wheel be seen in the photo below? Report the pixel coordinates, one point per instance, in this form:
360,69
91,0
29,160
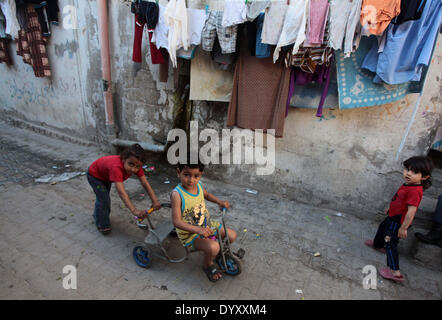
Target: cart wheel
233,265
141,257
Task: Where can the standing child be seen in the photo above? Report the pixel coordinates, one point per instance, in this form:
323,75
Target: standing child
403,207
192,219
116,169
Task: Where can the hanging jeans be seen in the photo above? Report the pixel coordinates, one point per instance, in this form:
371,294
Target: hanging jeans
102,203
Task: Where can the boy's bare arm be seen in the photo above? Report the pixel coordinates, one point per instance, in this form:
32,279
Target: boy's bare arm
178,221
402,233
123,195
146,185
210,197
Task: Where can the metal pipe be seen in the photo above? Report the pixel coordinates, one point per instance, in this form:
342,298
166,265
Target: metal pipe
103,26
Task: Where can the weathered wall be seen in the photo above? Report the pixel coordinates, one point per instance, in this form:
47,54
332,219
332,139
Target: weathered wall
344,161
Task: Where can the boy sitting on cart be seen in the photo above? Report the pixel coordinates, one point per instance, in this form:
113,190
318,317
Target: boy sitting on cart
192,220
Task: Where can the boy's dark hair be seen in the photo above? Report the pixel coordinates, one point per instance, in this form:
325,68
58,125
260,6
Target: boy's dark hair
136,151
423,165
198,165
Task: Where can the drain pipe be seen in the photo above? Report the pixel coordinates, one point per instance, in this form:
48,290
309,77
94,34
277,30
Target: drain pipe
103,26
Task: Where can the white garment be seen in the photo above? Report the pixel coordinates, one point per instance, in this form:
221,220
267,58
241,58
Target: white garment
294,27
161,31
273,22
255,7
9,11
196,20
235,12
176,18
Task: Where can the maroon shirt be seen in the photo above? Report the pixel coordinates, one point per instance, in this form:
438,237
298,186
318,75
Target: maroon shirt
407,195
110,169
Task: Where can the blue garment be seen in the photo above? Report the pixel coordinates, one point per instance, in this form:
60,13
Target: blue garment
102,202
262,50
408,48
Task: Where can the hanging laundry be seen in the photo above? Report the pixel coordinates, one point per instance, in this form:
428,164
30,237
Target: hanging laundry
31,45
262,50
356,87
4,41
377,14
345,27
4,51
212,28
410,10
321,76
273,22
293,30
47,12
251,29
176,18
161,31
408,48
308,58
255,7
9,11
147,13
224,61
196,19
259,95
155,53
318,14
234,13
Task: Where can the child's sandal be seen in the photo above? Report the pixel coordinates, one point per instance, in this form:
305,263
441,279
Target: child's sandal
210,271
387,274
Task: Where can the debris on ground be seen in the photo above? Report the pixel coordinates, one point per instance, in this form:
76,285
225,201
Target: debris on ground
327,218
251,191
53,179
338,214
298,291
316,254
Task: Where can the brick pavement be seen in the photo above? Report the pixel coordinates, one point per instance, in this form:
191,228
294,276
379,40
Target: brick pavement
44,227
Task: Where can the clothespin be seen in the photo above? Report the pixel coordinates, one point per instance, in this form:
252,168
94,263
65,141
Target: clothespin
207,8
247,1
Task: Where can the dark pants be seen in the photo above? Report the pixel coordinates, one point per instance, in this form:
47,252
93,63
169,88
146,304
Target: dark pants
387,237
102,203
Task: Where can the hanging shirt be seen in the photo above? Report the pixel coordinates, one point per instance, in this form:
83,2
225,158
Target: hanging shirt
410,10
293,30
344,24
9,10
377,14
161,31
317,21
408,48
176,18
273,22
255,7
234,13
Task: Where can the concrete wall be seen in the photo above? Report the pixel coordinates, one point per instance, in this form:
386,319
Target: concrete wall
345,161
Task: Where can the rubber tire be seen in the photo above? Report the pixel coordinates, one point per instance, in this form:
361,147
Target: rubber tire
232,261
141,257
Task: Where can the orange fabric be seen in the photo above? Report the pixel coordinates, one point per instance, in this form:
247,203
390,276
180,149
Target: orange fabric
378,14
